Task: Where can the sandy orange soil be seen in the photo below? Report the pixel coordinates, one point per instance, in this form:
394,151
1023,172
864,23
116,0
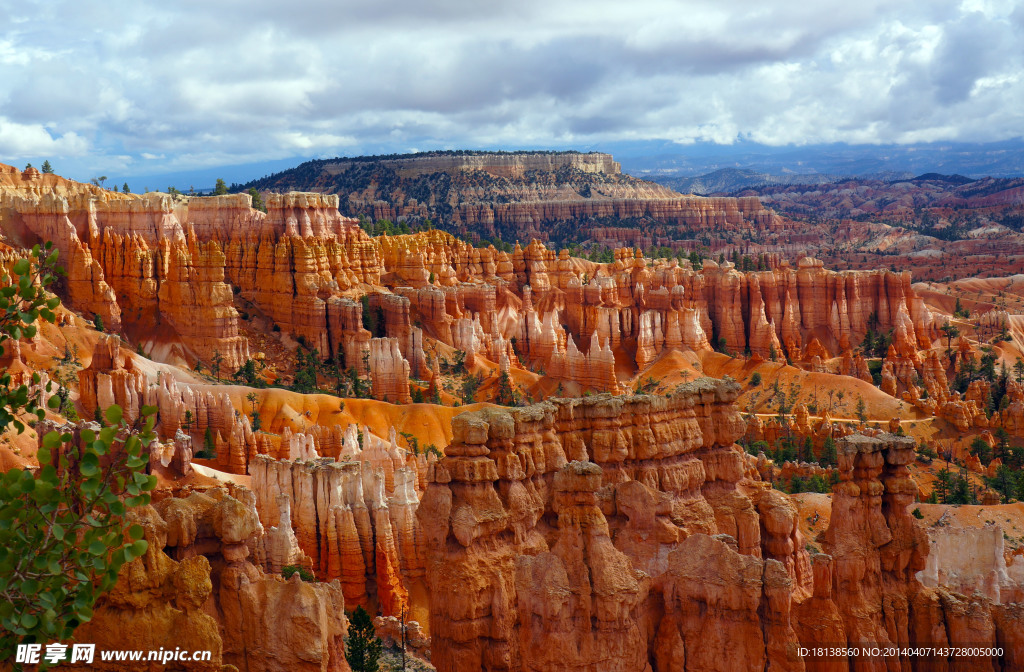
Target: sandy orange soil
815,511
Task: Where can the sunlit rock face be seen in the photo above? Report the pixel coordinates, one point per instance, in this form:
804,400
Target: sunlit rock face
573,520
201,586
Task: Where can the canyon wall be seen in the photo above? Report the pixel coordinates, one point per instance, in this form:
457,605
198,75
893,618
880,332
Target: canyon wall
552,530
621,533
354,518
181,270
201,587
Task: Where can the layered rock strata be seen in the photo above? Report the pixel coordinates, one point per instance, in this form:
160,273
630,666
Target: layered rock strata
626,528
585,500
355,518
207,595
175,265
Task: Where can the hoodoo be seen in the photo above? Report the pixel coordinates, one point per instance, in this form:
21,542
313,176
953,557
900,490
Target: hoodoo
528,459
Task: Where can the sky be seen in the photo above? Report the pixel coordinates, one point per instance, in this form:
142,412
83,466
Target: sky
139,88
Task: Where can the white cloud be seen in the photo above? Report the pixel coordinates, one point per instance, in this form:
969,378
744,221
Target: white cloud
30,140
177,85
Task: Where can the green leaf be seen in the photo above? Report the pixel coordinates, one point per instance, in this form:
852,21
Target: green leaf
58,532
136,532
113,414
139,548
97,548
21,267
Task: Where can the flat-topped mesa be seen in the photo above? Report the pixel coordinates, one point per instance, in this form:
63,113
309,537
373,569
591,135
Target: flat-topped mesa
515,195
509,165
603,487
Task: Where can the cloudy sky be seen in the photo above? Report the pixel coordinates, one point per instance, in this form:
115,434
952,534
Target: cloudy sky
137,87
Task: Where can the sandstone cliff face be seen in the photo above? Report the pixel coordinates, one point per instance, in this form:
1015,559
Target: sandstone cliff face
625,527
353,518
113,378
966,560
167,262
878,552
518,195
585,500
874,541
173,266
210,597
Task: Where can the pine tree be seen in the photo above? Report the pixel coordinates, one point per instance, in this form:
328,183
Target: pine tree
215,364
257,200
47,168
829,457
506,396
209,446
362,647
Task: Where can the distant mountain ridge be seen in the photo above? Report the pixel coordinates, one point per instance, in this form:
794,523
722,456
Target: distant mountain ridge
895,200
733,180
663,159
728,180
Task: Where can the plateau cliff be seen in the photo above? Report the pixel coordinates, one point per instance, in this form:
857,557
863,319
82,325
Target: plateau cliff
514,196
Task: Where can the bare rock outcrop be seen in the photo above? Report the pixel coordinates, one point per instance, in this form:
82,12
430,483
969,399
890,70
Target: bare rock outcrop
586,500
210,597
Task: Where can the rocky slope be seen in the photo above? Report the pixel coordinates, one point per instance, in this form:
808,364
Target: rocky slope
514,196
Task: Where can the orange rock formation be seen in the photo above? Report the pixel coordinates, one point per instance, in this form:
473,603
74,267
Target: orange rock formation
263,622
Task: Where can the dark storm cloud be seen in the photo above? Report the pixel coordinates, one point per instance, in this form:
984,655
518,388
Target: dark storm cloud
200,83
970,49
